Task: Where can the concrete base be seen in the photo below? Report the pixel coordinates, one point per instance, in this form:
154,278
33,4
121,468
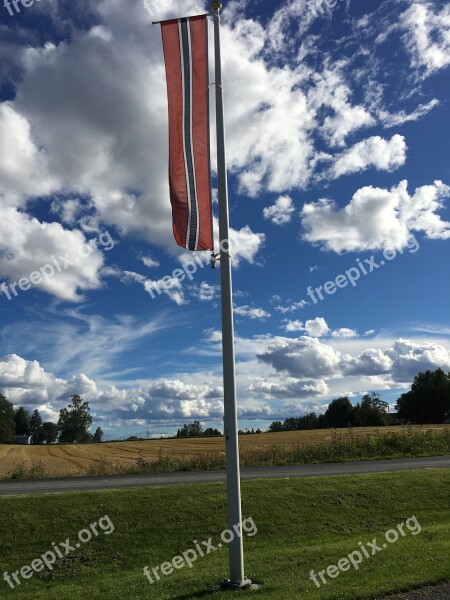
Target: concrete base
229,585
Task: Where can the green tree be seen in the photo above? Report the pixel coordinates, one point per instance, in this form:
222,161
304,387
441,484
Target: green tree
97,437
7,424
276,426
339,413
191,430
372,412
428,401
36,427
49,432
210,432
22,421
74,421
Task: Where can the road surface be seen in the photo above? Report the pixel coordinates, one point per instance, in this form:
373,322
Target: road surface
86,484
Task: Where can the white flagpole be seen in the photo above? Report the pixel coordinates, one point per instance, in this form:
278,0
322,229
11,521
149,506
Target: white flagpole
236,552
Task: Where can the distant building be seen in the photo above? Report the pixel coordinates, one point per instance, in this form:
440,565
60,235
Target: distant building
24,440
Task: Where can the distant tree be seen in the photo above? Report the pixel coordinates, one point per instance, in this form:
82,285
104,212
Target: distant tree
428,401
97,437
36,426
309,421
210,432
49,432
276,426
74,421
22,421
301,423
339,413
7,424
321,422
372,412
290,424
191,430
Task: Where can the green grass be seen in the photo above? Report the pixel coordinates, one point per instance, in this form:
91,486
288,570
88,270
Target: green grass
303,524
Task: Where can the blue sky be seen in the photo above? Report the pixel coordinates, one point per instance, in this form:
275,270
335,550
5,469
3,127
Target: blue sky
338,149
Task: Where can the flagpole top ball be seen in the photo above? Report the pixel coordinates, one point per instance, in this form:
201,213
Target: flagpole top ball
216,6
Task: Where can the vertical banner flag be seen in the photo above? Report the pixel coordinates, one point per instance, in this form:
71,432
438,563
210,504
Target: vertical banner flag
185,44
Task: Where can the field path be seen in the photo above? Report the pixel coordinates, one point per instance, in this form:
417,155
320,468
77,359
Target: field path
84,484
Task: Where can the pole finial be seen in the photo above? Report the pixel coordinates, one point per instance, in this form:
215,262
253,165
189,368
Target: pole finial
216,6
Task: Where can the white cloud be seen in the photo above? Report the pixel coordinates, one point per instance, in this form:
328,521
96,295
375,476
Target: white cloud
344,332
303,357
427,36
251,312
291,307
397,364
26,246
290,387
331,90
317,327
206,292
394,119
169,285
291,326
281,212
245,245
24,170
385,155
150,262
377,218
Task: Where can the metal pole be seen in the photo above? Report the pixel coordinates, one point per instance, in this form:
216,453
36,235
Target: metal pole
236,552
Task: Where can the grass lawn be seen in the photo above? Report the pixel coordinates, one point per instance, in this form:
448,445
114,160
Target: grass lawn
303,524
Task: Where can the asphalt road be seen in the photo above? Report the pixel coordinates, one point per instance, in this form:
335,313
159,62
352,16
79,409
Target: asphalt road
86,484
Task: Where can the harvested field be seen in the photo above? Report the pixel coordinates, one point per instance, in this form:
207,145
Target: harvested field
119,457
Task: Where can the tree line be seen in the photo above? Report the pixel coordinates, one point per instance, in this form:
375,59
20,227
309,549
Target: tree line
428,401
72,426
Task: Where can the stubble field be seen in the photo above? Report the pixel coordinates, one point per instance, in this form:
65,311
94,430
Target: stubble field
109,457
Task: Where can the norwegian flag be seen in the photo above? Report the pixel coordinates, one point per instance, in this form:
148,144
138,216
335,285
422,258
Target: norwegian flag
185,44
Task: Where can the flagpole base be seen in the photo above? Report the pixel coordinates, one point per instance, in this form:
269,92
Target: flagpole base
229,585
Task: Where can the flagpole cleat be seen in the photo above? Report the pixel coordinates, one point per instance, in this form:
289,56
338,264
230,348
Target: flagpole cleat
214,259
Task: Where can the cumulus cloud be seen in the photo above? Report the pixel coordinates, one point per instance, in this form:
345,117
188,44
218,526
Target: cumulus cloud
344,332
303,357
291,326
311,358
303,367
385,155
24,169
118,164
71,264
281,212
206,292
317,327
289,388
251,312
377,218
27,383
